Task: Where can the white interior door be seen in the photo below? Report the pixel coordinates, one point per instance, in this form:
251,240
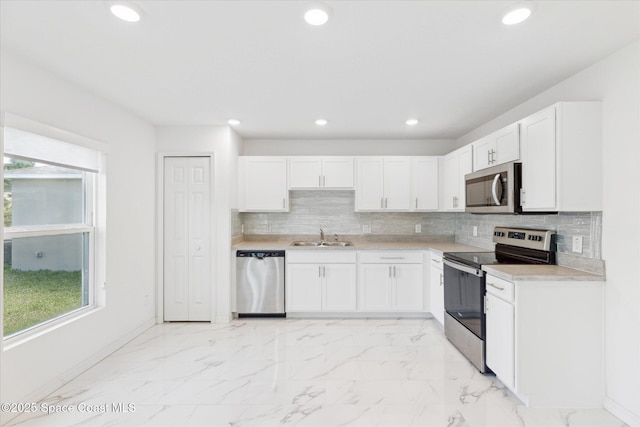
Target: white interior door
187,239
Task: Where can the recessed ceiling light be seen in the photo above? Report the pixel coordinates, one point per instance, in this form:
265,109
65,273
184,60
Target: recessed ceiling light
317,14
233,122
126,11
412,122
517,13
321,122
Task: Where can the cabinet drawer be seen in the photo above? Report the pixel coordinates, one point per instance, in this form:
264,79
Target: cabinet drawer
373,257
436,261
500,288
322,257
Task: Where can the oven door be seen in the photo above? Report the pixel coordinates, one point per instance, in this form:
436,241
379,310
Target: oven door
464,289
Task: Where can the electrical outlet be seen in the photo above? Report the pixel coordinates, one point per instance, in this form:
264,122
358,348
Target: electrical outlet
242,229
268,228
577,244
475,231
147,299
366,228
418,228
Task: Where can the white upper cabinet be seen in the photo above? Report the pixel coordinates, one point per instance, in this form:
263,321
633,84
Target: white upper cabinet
455,166
425,183
321,173
499,147
384,183
262,183
398,184
561,154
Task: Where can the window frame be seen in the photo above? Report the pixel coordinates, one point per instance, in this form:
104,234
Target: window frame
94,198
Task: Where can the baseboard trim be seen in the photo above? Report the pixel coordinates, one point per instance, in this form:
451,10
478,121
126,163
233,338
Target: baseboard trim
46,389
621,412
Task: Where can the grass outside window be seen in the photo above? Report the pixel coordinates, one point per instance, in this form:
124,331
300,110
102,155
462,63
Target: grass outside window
33,297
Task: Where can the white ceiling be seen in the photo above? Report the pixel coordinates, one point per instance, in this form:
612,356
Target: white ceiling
451,64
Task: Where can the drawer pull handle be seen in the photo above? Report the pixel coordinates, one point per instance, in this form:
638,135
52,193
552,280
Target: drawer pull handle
391,257
494,286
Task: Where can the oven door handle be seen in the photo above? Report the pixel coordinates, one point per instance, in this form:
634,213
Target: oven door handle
476,272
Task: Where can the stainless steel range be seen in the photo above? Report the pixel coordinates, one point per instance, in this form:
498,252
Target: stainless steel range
464,284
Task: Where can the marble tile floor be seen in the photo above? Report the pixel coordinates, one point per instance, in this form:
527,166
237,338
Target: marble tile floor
291,372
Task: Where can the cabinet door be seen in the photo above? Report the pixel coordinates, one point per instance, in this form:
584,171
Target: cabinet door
337,172
370,184
374,287
437,292
465,166
305,172
482,150
507,145
397,183
450,184
263,184
539,161
425,183
304,290
501,339
408,287
339,287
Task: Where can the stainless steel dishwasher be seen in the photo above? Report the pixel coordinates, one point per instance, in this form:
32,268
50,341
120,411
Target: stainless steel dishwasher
260,283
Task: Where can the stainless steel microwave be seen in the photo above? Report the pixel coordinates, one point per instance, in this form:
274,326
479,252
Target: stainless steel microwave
494,190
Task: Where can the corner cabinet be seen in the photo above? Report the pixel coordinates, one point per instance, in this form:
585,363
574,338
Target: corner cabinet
262,183
455,166
319,281
499,147
543,346
335,173
561,154
390,281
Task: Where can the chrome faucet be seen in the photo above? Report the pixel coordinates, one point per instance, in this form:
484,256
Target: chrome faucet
321,235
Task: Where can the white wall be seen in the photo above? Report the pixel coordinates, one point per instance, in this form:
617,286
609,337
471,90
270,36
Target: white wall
616,82
32,368
225,144
348,147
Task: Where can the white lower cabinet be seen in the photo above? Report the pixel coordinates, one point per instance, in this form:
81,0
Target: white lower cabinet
436,288
500,338
320,281
390,281
544,340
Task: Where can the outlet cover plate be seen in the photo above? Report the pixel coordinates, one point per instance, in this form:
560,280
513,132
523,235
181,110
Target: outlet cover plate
577,244
366,228
418,228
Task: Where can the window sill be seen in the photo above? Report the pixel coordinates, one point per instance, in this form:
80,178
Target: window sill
37,331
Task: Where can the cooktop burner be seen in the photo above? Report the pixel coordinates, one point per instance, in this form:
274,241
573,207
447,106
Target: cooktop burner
475,259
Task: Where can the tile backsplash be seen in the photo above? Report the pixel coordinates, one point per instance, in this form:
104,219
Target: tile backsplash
333,211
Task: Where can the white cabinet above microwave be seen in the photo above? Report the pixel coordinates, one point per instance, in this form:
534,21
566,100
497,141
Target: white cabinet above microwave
500,147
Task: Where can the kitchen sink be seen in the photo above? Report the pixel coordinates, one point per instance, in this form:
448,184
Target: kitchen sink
305,243
336,244
322,244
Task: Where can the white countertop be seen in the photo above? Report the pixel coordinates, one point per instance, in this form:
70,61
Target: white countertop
439,247
520,272
511,272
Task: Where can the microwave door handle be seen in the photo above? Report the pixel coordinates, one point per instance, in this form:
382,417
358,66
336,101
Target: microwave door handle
494,192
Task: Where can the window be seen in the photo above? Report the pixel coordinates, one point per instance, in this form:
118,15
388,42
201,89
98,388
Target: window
49,229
